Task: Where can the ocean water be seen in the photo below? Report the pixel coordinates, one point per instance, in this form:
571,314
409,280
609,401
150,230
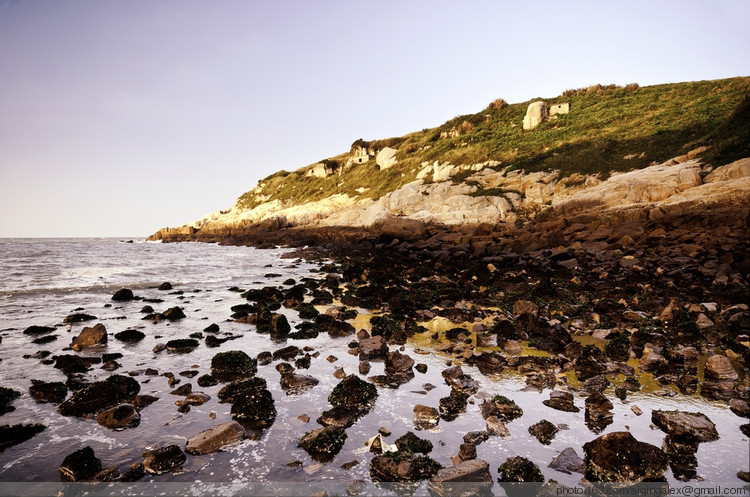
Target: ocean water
43,281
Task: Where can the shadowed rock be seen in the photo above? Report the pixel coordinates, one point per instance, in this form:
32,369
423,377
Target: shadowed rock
619,457
163,459
216,438
100,395
81,465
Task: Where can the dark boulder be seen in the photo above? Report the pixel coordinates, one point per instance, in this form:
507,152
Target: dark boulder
619,457
323,443
425,417
253,404
16,434
287,353
172,314
123,295
78,318
372,348
7,395
119,417
452,405
100,395
402,466
163,459
38,330
165,286
81,465
53,392
182,345
409,442
130,336
459,381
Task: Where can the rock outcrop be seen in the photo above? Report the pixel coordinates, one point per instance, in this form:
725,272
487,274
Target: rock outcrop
536,113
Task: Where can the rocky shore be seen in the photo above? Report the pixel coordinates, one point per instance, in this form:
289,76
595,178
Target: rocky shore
587,310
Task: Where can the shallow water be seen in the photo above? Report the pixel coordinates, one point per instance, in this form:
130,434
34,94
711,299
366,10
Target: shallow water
48,279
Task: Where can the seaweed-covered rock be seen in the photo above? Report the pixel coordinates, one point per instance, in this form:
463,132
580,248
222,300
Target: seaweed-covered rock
323,443
409,442
16,434
253,404
519,470
402,466
163,459
619,457
216,438
119,417
544,431
81,465
501,407
452,405
355,392
100,395
233,364
340,416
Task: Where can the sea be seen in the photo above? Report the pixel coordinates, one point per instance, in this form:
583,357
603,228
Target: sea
45,280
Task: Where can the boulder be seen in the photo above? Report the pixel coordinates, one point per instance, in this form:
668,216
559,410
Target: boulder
452,405
685,425
568,462
598,414
373,348
472,470
619,457
100,395
562,401
197,398
402,466
163,459
323,443
410,230
293,383
460,381
536,113
38,330
425,417
172,314
397,363
89,337
53,392
216,438
719,368
81,465
119,417
496,427
386,158
253,403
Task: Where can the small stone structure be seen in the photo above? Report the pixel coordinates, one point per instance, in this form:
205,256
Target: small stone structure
563,108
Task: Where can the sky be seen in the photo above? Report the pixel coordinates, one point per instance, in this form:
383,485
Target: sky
120,117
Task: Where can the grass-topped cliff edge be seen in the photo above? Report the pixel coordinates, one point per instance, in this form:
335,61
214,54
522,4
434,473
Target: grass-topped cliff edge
608,129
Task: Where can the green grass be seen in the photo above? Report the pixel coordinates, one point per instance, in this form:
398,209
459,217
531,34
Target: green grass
605,125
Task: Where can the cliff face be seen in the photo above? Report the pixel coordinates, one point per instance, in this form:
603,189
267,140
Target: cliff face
601,158
679,187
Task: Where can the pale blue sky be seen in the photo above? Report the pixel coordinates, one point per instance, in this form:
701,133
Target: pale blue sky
121,117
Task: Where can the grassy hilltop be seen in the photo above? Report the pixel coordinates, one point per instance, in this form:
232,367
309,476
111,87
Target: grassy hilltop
609,128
